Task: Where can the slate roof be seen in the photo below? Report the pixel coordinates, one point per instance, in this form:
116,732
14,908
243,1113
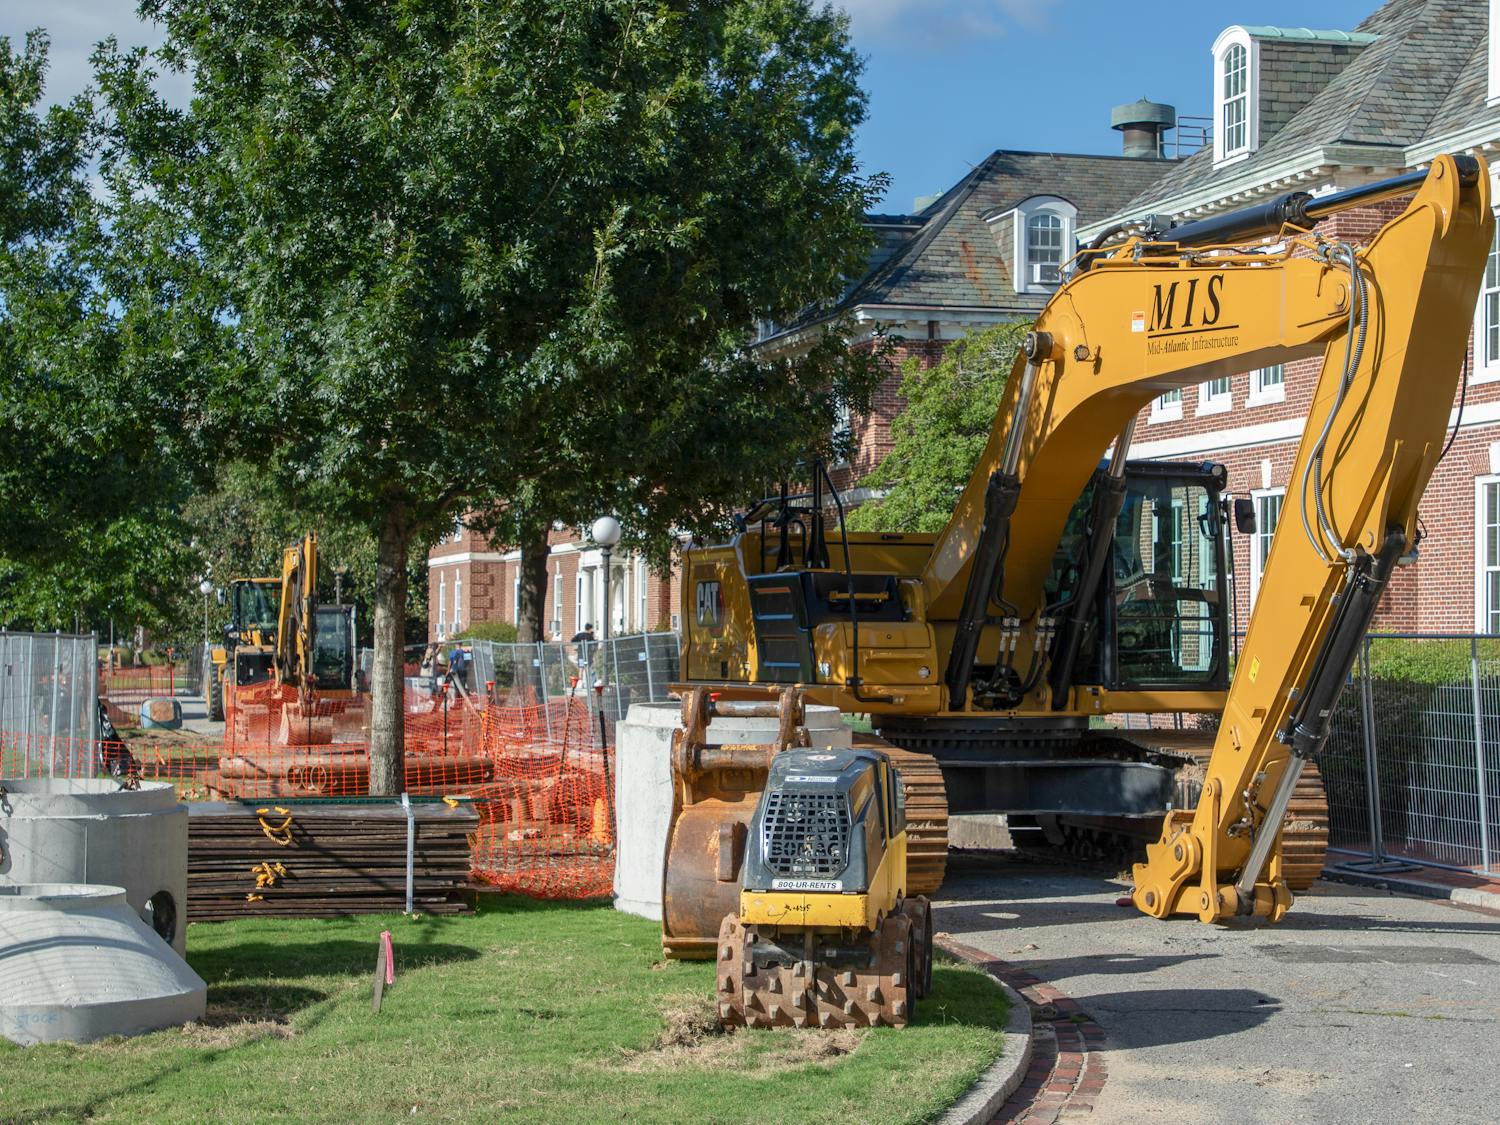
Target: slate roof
955,259
1422,76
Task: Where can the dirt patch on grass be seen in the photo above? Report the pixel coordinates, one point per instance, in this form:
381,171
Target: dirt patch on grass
221,1032
693,1039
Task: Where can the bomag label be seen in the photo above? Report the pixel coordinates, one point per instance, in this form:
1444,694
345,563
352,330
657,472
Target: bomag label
805,885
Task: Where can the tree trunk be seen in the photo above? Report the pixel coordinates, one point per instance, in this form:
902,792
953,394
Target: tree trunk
530,622
388,682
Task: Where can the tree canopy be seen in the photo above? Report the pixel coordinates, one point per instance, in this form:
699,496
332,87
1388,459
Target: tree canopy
100,355
940,433
455,242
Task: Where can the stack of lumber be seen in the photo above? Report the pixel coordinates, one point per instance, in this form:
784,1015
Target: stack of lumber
319,860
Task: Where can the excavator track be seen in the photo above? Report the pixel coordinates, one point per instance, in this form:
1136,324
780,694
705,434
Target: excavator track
926,814
1304,839
762,984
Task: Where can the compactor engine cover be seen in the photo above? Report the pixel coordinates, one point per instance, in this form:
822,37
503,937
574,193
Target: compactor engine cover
819,825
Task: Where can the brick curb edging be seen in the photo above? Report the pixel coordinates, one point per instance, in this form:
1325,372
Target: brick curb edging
1464,896
1066,1072
994,1086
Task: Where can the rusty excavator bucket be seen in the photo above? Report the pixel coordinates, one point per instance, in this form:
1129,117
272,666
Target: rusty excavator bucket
714,791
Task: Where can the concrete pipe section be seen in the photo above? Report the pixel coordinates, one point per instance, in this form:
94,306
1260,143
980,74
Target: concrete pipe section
77,963
92,831
643,787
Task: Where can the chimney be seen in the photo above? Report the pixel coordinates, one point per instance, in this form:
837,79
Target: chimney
1145,125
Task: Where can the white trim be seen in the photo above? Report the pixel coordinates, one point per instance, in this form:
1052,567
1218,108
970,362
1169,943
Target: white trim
1229,38
1479,486
472,557
1164,411
1210,403
458,601
1264,433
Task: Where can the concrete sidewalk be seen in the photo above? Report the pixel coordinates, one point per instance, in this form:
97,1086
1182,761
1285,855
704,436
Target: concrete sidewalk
1361,1007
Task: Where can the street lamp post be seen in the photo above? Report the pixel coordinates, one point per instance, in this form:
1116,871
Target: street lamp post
205,587
606,533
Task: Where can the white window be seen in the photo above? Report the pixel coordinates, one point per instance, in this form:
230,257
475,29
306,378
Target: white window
458,529
1267,384
1044,240
1267,515
557,601
578,602
442,622
515,597
1487,322
1487,555
1167,408
458,601
1044,247
1236,89
1214,396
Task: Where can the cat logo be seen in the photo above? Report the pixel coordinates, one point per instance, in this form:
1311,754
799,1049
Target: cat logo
710,605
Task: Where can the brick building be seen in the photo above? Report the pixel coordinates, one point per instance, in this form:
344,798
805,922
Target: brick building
1320,111
469,581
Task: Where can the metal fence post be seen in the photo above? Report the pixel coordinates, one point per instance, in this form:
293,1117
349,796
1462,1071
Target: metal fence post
1479,761
541,679
1379,862
614,660
650,680
52,714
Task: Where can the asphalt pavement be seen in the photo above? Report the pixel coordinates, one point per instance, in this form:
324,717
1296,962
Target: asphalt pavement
1362,1006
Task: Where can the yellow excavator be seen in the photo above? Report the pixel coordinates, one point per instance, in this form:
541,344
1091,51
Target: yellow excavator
280,633
1066,588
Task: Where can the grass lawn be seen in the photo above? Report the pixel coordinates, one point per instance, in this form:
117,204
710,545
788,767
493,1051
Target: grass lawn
526,1012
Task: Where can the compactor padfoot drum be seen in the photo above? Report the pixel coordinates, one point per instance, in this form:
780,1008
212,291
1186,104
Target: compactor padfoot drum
862,980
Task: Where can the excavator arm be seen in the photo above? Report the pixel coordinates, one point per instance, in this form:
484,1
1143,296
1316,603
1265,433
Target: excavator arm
296,630
1157,313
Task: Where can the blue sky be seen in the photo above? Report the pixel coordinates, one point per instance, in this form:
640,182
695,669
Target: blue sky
949,80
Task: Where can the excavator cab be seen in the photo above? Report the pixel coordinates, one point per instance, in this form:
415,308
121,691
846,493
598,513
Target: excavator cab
1161,613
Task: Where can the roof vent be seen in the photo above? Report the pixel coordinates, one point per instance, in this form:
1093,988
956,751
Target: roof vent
1144,124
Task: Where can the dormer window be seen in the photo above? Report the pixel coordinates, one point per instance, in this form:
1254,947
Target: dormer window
1044,246
1235,94
1044,241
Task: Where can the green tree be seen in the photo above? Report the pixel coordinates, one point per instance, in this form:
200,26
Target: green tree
940,433
461,239
97,344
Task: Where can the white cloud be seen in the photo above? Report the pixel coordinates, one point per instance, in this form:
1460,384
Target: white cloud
74,27
946,19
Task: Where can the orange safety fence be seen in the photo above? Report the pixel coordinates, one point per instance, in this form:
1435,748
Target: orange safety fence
538,775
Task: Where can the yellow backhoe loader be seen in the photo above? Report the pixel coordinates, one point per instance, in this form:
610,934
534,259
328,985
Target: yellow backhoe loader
1069,586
